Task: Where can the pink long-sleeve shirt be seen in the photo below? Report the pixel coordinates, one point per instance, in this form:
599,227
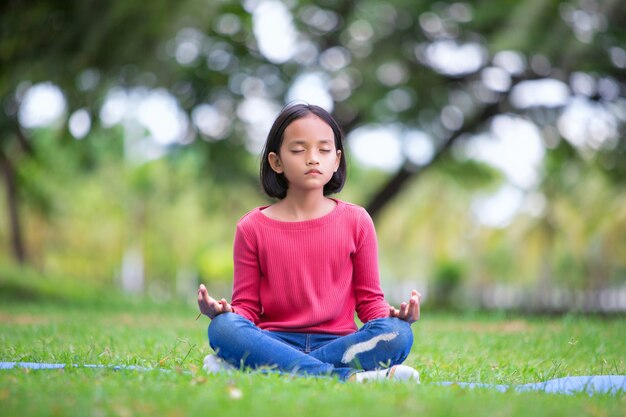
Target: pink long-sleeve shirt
309,276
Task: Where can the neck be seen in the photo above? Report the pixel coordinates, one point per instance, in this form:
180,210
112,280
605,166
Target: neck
305,206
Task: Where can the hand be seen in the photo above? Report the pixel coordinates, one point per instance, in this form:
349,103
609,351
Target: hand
209,306
409,312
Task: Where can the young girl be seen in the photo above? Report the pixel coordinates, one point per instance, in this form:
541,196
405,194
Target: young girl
304,265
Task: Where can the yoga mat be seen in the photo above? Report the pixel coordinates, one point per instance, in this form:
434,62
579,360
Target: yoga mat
590,384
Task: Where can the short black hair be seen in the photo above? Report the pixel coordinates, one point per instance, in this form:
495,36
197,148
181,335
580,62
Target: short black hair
275,185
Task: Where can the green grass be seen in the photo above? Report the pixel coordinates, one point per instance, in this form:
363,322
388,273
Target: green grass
489,348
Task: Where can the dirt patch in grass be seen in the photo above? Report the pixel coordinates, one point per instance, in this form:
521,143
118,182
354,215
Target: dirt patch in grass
23,319
148,320
508,326
514,326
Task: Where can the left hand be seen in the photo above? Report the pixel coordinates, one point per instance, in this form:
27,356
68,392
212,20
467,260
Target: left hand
209,306
409,312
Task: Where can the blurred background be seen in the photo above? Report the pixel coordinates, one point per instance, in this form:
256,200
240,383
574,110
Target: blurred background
485,138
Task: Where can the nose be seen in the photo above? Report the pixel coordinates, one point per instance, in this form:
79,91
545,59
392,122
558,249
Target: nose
312,159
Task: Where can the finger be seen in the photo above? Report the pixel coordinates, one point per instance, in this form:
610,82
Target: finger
403,311
413,313
226,308
223,305
414,307
202,289
203,297
417,314
207,298
202,293
419,304
207,304
201,302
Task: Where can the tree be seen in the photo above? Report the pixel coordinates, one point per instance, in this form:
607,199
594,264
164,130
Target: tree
447,69
59,42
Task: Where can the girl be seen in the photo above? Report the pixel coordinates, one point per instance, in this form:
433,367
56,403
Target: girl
304,265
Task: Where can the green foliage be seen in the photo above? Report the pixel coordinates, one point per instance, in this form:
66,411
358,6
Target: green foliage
447,280
470,174
215,264
26,284
574,241
57,40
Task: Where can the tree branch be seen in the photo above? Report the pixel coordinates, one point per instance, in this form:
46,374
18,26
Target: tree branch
23,140
409,170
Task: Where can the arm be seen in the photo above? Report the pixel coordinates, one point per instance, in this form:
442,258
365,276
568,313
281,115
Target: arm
370,300
247,277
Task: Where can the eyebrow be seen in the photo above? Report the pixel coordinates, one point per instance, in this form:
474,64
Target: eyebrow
302,142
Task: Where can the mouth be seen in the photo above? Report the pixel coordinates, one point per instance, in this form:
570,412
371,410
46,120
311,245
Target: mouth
313,172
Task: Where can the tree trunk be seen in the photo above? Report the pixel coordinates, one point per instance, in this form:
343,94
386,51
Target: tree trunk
17,242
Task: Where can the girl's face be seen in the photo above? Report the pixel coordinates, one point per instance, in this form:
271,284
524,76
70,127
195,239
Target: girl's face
308,156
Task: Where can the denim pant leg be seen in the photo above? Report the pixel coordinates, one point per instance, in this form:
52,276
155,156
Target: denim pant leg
242,344
380,343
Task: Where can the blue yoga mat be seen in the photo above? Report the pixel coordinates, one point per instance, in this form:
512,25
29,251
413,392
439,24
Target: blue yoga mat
592,384
39,365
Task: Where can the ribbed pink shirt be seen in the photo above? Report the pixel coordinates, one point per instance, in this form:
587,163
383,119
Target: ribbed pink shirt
309,276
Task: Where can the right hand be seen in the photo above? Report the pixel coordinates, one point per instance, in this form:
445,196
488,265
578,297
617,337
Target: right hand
209,306
409,312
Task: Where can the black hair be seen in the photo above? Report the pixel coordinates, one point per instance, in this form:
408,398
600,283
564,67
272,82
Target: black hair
274,184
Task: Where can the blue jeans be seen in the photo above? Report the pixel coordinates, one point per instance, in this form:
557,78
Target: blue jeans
380,343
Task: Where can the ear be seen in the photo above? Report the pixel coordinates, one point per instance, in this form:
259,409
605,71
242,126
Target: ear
274,161
338,161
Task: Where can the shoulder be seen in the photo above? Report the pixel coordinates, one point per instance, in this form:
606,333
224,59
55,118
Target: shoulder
247,228
353,210
356,214
250,219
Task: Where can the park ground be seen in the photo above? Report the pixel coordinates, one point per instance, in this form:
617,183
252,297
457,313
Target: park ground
492,348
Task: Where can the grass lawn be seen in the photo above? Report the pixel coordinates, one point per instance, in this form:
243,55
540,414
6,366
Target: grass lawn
489,348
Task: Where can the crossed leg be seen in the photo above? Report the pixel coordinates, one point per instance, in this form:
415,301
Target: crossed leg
379,343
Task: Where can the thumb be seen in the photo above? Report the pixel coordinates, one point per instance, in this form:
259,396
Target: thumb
225,306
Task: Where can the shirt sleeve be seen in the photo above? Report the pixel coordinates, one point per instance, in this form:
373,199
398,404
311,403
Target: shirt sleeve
247,277
370,300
